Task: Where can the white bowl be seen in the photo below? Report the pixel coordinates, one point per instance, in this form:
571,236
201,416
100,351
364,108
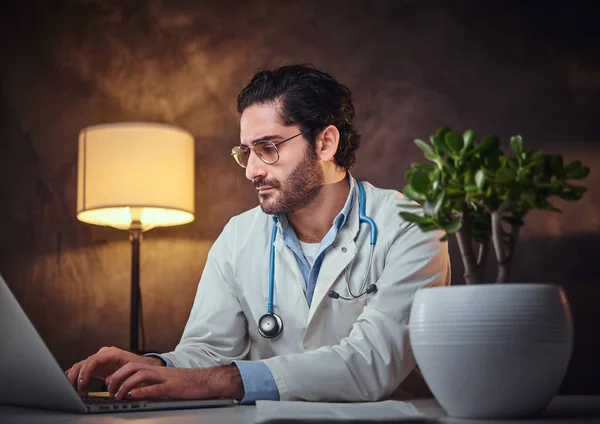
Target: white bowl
503,355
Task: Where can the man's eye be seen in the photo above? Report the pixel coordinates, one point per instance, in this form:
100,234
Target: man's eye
269,148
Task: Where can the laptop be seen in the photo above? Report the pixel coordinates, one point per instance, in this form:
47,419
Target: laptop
30,376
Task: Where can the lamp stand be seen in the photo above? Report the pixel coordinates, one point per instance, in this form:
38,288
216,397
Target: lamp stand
135,235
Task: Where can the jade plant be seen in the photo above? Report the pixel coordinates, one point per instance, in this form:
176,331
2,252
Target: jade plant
475,191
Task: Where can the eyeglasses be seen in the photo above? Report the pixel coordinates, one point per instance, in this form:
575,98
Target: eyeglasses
266,151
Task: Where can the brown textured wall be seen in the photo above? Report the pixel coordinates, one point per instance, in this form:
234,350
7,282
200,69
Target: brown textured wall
499,68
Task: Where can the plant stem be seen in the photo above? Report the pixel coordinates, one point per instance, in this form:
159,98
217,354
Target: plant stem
482,259
466,248
504,250
498,246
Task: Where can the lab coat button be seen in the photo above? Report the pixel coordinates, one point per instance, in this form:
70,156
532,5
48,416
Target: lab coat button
344,249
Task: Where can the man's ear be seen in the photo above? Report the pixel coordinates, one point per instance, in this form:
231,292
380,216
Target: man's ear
327,143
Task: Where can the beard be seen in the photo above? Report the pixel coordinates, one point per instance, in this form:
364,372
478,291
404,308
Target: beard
296,191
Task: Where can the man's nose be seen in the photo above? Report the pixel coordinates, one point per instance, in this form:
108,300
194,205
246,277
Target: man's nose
256,168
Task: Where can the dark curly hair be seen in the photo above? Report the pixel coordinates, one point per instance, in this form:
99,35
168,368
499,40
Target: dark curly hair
309,98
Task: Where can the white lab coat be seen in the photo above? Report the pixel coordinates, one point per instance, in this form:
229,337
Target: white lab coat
336,350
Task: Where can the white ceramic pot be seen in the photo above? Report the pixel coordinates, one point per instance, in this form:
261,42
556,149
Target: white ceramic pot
492,351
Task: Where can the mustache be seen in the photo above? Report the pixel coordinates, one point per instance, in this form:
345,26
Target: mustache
265,183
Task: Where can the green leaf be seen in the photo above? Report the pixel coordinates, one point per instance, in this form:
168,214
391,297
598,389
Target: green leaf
439,203
516,144
452,227
489,144
432,156
440,145
570,196
454,191
432,206
468,177
420,182
454,141
470,187
417,219
577,189
409,192
527,198
441,133
422,167
577,173
469,138
554,185
434,175
425,147
480,179
429,227
506,176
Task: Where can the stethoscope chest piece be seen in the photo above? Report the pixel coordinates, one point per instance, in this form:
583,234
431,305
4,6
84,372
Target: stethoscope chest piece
270,325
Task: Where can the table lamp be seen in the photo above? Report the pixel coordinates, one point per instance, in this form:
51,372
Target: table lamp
135,176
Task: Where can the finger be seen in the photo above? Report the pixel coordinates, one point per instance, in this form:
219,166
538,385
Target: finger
73,372
144,376
106,356
123,373
85,372
154,390
108,380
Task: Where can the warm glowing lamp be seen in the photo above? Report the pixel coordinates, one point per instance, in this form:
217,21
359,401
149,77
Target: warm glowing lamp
135,176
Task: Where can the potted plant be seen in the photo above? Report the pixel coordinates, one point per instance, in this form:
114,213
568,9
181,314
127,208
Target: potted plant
517,337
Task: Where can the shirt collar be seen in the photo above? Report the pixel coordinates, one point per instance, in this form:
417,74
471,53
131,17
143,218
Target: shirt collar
340,219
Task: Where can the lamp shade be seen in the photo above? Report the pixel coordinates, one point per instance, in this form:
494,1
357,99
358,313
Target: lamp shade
135,175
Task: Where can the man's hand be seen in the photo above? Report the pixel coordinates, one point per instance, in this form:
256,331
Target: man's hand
141,380
103,364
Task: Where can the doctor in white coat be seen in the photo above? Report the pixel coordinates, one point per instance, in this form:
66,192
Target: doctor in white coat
307,296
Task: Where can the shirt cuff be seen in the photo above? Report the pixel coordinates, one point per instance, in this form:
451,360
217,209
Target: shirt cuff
258,381
166,360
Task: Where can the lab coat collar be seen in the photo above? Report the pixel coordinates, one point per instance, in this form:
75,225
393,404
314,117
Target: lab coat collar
339,256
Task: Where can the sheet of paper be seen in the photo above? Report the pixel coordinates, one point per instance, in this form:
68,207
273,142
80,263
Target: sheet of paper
379,412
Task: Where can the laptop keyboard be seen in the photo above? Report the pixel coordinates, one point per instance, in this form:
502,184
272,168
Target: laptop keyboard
107,400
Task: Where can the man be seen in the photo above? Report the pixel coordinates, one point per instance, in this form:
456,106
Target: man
341,303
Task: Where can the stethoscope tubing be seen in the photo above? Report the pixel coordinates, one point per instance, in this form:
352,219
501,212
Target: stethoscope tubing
272,270
278,322
362,214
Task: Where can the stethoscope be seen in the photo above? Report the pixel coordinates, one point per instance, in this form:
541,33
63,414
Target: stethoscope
270,324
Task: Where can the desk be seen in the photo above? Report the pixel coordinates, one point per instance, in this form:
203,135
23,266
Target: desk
562,410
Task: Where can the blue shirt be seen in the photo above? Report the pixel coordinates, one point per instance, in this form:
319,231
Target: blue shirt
256,376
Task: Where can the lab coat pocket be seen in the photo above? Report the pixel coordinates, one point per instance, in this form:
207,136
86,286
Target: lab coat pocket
345,312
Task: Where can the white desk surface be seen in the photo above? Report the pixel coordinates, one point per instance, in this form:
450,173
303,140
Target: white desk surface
562,410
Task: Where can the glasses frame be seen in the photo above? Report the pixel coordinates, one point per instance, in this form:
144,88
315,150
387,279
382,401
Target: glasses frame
235,149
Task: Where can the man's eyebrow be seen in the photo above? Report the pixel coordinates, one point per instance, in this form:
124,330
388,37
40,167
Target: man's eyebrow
265,138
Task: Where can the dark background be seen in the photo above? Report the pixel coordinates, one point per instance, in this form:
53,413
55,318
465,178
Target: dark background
504,67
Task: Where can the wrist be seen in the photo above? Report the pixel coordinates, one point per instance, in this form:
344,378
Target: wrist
155,360
228,382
